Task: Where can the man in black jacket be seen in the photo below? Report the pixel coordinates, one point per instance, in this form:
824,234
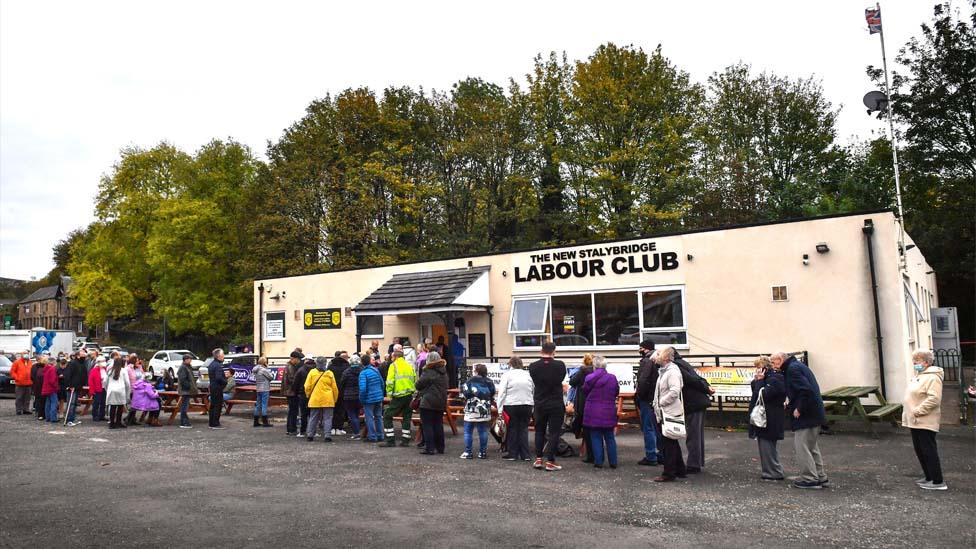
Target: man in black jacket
338,366
646,381
300,376
547,374
696,396
217,383
75,380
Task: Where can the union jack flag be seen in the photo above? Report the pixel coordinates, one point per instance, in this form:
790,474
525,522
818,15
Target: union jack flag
873,16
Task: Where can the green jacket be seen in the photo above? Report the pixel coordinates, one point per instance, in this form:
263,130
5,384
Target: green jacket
401,379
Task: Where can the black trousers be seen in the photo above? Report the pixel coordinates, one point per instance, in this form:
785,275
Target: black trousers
98,406
115,414
674,462
338,417
548,425
216,407
303,414
928,454
517,436
39,402
291,426
432,424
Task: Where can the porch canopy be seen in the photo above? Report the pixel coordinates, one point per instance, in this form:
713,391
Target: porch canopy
447,294
452,290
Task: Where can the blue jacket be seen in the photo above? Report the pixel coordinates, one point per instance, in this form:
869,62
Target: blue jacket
804,393
370,386
217,378
774,393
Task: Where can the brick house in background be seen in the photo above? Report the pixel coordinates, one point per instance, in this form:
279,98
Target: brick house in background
49,307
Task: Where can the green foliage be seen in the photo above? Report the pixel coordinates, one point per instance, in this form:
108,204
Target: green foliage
618,145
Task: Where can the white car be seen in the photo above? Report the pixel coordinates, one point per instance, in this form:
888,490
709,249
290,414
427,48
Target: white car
109,349
170,360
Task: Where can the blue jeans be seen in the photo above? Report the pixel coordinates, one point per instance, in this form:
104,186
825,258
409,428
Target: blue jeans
599,437
51,408
184,406
374,420
98,406
352,414
72,406
261,404
648,422
482,426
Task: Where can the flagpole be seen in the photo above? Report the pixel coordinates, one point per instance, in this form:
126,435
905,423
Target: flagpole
902,262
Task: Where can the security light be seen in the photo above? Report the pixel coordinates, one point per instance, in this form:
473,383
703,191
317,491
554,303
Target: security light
822,248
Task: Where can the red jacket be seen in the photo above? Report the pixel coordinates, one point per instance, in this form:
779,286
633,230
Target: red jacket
95,380
51,385
20,372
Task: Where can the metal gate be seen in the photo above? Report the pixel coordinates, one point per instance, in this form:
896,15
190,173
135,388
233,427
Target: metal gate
950,360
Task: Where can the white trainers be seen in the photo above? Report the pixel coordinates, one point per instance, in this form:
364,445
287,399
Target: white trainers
340,432
922,480
73,423
933,486
467,455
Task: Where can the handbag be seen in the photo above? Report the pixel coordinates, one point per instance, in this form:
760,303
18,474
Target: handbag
757,416
415,402
673,427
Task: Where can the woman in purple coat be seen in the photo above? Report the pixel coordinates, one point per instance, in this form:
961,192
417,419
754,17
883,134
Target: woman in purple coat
145,399
600,414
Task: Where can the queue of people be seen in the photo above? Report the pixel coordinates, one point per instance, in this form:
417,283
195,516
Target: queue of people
670,396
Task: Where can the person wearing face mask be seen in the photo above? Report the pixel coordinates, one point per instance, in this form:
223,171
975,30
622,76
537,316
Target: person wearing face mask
921,414
20,372
646,382
805,405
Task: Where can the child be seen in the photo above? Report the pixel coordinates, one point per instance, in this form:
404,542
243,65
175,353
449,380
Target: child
262,388
479,391
145,399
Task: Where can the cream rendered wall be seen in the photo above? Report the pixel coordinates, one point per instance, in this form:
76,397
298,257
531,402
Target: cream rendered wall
729,307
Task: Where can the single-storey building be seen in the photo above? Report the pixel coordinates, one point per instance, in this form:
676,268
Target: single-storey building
833,286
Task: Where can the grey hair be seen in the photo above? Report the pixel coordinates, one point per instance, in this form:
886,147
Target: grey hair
321,362
599,362
927,356
666,353
216,352
780,355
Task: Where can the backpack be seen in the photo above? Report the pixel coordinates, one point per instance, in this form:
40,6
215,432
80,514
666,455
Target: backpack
564,449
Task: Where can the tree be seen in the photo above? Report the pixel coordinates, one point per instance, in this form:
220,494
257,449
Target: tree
935,104
767,148
633,114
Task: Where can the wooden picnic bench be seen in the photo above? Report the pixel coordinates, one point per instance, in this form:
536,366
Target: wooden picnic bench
844,403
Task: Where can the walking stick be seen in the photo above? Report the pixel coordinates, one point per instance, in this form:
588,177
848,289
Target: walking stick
67,409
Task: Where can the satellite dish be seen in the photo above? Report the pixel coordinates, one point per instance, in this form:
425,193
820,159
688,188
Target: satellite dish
875,101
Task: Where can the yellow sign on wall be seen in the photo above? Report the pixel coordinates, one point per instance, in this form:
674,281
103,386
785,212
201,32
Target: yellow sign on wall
322,319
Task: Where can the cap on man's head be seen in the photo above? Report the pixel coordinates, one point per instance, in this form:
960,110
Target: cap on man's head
296,354
647,344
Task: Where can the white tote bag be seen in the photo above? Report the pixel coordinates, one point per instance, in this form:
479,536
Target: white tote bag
673,427
757,416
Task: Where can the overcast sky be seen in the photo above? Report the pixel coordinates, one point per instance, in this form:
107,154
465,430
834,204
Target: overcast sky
81,80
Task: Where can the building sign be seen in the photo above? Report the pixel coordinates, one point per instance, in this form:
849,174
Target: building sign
322,319
597,261
274,325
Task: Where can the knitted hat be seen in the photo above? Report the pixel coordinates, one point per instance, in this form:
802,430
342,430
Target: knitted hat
647,344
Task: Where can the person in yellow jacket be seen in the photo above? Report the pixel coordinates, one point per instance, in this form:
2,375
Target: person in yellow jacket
322,392
921,413
401,381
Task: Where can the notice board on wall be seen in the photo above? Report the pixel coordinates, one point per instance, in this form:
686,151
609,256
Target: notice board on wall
476,345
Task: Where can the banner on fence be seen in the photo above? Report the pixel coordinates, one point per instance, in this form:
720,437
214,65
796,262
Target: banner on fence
727,382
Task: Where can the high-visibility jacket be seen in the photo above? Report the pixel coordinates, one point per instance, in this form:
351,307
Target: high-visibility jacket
401,379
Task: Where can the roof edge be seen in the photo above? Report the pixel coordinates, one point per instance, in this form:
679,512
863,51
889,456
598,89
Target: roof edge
591,243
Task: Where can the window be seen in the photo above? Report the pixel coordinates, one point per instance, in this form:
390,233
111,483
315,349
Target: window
274,326
617,318
528,315
942,324
572,320
370,325
603,319
780,293
160,356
